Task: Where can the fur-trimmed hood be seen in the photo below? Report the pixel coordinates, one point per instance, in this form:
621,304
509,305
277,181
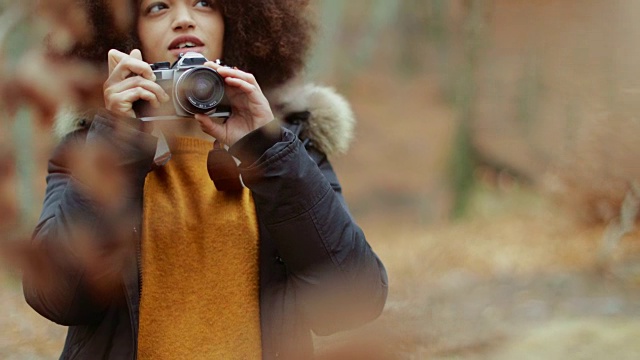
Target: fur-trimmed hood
330,125
331,122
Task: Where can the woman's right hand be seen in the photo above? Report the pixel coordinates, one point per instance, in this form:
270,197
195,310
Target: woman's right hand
130,79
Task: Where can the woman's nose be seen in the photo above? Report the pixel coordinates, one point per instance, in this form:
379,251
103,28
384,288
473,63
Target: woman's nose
183,19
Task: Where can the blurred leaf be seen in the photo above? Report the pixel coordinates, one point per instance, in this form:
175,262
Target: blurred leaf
96,167
8,200
48,84
40,263
69,22
123,13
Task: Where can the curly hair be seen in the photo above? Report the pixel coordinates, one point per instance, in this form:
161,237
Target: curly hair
268,38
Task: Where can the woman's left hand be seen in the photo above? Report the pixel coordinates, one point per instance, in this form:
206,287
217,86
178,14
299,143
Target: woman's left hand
250,108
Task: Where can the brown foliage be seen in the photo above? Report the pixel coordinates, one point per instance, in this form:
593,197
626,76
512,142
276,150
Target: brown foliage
40,266
45,82
8,203
40,79
68,22
103,180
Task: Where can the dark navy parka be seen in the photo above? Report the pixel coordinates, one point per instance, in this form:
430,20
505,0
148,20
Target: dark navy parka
317,271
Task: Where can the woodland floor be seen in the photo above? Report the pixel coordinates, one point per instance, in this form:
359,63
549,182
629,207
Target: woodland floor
517,280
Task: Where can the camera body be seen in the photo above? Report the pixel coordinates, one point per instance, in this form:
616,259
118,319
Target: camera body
193,88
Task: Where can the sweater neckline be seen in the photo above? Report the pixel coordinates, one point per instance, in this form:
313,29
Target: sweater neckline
182,144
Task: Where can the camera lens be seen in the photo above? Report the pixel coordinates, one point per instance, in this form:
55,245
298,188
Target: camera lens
200,90
203,88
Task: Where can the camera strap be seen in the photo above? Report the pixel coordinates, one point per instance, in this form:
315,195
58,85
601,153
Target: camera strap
223,169
163,153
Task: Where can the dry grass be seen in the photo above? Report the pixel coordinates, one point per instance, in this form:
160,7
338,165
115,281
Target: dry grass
473,289
514,234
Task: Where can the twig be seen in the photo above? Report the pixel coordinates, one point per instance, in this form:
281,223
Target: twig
622,225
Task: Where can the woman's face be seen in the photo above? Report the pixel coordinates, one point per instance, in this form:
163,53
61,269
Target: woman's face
167,28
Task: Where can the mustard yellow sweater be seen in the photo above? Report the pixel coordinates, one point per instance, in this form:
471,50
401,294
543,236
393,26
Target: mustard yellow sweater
199,264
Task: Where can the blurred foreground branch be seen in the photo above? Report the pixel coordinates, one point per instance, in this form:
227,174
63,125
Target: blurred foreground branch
37,80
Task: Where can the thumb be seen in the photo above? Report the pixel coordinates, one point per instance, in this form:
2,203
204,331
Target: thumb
211,127
135,53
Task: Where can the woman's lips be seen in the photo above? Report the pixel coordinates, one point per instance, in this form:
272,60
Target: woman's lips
183,40
194,40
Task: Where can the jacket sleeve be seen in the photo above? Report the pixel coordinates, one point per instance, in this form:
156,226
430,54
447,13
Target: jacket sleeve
338,278
61,288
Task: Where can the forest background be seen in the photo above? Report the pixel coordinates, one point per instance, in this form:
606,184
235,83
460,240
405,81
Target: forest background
494,171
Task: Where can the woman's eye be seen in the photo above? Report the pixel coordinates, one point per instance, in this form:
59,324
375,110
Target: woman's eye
156,7
204,3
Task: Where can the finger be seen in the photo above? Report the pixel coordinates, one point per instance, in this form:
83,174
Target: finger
138,81
239,74
212,64
130,65
114,57
124,101
210,127
249,89
136,54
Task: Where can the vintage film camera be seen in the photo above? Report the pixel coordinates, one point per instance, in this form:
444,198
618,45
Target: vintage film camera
193,88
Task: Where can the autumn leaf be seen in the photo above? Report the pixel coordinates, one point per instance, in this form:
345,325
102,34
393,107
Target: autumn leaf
46,84
122,12
8,199
68,22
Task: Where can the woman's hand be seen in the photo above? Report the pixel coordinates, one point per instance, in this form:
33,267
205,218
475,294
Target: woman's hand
250,108
130,79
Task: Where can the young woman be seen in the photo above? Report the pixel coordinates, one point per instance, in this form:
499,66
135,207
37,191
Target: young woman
245,274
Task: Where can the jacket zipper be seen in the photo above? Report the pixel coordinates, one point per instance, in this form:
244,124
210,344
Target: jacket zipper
139,271
138,259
